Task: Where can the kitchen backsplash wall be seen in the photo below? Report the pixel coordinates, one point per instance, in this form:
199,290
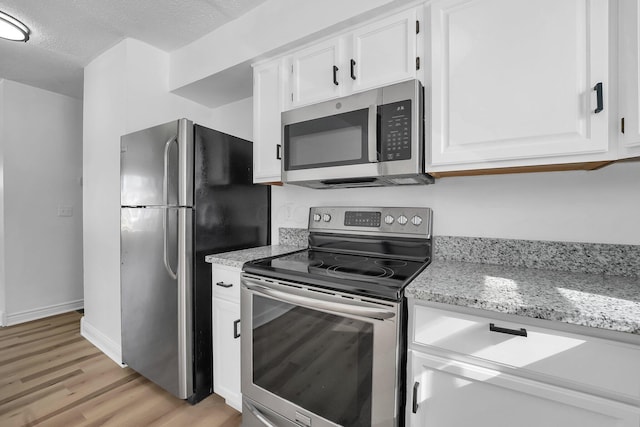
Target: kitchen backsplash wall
594,258
293,236
598,206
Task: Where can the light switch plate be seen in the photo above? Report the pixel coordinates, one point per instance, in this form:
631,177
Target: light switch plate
65,210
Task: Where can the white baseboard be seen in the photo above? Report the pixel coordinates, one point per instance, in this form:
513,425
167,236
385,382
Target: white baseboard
3,318
41,312
103,342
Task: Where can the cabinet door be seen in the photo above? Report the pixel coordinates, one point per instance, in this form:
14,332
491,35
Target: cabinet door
384,52
226,352
316,73
451,394
267,106
515,80
629,52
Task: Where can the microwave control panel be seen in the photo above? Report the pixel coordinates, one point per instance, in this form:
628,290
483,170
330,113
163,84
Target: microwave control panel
395,131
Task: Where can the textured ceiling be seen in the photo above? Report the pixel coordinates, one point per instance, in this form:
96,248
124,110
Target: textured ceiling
67,34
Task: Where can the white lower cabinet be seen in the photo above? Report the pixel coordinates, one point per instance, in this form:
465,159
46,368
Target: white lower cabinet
464,372
226,334
453,394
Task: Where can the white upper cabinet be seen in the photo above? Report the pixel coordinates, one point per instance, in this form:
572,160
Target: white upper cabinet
629,51
513,83
316,74
383,52
374,55
267,106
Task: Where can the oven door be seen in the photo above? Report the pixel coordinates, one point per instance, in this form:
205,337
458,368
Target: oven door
318,358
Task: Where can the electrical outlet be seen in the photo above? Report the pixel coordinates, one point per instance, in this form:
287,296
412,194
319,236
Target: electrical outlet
65,210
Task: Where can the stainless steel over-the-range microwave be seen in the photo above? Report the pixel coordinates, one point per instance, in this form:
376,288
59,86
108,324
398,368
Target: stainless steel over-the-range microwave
371,138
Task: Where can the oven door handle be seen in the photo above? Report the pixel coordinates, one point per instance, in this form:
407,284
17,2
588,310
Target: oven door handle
256,413
335,307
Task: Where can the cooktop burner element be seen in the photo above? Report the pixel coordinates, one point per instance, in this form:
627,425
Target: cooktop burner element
349,253
359,272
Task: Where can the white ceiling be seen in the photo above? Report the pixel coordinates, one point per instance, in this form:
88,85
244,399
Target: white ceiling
67,34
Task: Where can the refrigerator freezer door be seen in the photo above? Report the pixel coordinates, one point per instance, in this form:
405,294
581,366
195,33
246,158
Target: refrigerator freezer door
156,295
156,166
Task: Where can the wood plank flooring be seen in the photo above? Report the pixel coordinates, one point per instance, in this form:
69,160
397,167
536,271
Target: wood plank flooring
51,376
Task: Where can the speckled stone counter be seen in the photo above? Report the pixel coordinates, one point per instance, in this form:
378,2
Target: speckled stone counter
576,257
237,258
593,300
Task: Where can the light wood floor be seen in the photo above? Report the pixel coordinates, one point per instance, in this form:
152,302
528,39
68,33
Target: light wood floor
51,376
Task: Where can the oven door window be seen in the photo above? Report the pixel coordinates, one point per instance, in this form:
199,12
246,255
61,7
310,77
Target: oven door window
319,361
336,140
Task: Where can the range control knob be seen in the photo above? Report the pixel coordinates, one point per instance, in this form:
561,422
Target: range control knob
416,220
389,219
326,217
402,220
317,217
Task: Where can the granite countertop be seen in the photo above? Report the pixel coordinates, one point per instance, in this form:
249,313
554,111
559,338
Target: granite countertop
593,285
593,300
238,258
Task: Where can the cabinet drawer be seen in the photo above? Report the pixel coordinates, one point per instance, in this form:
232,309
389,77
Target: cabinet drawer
602,366
226,282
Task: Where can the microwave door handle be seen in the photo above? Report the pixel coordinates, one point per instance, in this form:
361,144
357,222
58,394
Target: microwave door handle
372,134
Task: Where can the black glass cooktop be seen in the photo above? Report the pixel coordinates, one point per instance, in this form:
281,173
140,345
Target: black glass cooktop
358,274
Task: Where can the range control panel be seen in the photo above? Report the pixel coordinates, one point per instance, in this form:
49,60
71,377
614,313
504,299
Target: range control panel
370,220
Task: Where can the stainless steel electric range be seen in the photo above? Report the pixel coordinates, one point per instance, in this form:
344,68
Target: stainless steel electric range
324,329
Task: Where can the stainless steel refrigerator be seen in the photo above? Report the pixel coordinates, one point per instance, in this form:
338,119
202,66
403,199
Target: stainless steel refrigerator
186,192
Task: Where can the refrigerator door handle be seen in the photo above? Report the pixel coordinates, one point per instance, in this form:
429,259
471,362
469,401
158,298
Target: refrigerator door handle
185,302
185,140
165,178
165,241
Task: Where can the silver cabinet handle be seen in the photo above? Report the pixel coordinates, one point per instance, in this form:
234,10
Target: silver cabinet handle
316,303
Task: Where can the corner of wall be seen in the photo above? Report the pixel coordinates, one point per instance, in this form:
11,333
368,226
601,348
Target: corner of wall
101,341
42,312
3,294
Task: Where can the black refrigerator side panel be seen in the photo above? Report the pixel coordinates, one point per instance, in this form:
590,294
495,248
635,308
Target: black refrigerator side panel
230,213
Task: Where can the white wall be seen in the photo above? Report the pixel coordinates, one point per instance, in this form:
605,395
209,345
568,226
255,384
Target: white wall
42,170
3,319
126,89
601,206
262,30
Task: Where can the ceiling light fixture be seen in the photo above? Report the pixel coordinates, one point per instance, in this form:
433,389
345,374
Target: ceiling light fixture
12,29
